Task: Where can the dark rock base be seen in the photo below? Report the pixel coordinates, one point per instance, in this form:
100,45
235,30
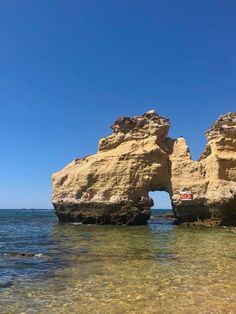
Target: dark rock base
103,214
200,215
131,213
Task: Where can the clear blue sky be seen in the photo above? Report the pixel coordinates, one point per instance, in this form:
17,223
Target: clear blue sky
68,69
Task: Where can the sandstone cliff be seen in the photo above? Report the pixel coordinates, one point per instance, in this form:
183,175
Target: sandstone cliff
112,186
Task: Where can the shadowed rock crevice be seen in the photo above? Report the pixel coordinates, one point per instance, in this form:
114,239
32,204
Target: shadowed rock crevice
112,186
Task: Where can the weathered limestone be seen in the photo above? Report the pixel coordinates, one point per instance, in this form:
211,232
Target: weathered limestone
212,179
112,186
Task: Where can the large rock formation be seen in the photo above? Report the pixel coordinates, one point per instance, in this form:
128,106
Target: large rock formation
112,186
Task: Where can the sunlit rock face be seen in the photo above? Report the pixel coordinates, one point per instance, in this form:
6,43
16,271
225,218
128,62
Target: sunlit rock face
212,179
112,186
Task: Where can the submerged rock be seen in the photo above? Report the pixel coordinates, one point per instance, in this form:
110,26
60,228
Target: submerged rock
112,186
24,254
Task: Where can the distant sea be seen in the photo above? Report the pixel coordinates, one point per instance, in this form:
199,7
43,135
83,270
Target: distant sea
51,267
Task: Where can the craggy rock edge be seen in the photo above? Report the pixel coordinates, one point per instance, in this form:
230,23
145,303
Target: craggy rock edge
112,186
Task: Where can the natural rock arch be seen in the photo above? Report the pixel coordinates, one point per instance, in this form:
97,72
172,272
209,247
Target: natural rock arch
111,187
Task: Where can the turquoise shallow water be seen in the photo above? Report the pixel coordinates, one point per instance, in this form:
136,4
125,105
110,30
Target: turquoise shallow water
159,268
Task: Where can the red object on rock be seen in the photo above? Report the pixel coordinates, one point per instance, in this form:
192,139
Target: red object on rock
186,196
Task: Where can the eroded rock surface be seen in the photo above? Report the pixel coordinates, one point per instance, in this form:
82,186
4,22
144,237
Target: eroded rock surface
112,186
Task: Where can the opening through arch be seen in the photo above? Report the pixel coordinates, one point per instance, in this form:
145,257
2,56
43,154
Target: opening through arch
161,201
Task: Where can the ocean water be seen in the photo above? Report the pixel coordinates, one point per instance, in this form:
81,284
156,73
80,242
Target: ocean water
158,268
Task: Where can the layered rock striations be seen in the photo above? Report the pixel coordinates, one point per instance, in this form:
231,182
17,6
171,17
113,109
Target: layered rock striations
112,186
